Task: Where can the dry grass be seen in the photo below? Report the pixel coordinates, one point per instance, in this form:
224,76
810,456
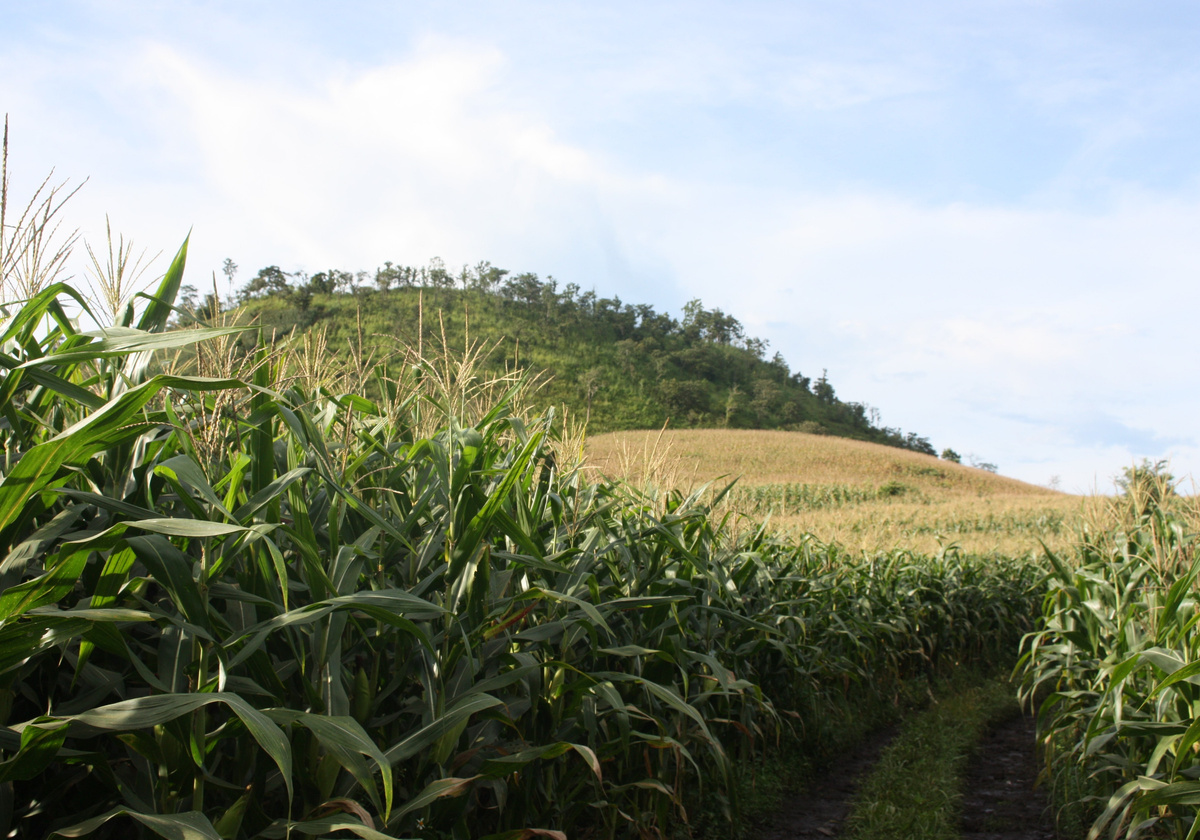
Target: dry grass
863,495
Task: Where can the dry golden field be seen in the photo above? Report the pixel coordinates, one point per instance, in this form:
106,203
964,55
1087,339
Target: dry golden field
863,495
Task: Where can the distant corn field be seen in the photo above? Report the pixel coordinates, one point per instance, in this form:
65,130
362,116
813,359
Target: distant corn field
863,496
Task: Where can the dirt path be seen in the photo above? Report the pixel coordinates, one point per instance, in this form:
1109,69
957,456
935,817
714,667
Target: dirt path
821,810
999,799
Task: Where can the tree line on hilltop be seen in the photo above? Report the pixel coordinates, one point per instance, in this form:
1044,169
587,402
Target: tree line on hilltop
621,365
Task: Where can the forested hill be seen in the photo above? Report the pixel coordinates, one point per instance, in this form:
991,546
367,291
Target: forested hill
625,366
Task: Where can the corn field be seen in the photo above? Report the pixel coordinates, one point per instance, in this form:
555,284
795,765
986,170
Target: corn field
785,499
1116,668
240,599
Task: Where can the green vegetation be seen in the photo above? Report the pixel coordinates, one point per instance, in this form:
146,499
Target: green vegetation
243,599
1116,667
784,499
932,747
622,366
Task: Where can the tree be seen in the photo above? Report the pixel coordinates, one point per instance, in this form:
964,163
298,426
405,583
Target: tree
685,397
269,281
438,276
715,326
757,346
187,296
822,390
1149,481
766,394
949,454
978,464
781,366
524,287
732,403
487,277
230,270
386,276
917,443
330,282
590,381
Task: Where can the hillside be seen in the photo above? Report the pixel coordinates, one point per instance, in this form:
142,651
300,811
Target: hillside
861,494
621,365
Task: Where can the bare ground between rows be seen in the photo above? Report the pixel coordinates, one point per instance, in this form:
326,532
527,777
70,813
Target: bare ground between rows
820,810
1000,800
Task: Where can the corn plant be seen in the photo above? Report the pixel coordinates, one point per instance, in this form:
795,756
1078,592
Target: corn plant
1116,661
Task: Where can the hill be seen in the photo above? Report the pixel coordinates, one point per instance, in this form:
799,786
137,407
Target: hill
863,495
621,365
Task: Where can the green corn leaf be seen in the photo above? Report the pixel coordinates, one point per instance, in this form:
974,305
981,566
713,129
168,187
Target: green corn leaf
323,826
157,709
44,303
1176,793
671,698
389,606
344,738
36,544
230,823
169,527
118,341
105,503
40,743
504,765
50,587
434,791
269,493
119,421
428,735
64,387
172,569
1187,672
158,312
186,470
191,825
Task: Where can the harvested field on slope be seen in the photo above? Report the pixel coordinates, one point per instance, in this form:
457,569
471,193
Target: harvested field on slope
862,495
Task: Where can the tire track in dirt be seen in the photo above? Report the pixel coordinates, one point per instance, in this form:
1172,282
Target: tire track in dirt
820,810
1000,801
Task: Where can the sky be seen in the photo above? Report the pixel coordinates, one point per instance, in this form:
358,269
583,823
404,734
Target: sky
980,218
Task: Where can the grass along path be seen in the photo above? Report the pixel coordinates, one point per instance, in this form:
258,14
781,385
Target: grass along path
915,791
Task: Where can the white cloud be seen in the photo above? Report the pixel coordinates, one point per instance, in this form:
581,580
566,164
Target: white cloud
1049,340
399,162
950,318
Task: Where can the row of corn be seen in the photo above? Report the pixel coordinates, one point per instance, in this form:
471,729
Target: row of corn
1115,670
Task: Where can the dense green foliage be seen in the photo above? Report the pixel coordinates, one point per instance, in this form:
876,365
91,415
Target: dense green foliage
244,605
1117,666
623,366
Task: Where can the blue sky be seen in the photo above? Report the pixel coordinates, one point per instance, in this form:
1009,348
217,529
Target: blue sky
979,217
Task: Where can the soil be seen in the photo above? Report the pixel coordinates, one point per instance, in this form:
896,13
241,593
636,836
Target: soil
820,810
1000,801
